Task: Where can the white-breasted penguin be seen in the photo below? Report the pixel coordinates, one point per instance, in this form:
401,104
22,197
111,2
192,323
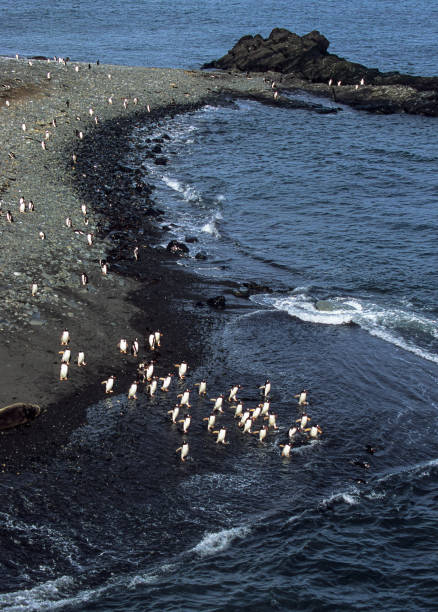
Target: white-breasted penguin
184,450
182,369
158,335
221,433
314,432
185,398
286,449
218,401
265,407
202,387
262,433
245,416
152,386
123,345
65,337
186,423
174,413
84,279
238,410
34,288
272,420
151,341
63,374
233,392
109,384
211,420
266,388
134,347
66,355
256,412
133,390
302,398
149,371
81,359
303,420
166,382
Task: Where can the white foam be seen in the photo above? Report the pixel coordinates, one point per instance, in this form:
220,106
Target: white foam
213,543
346,497
189,192
385,322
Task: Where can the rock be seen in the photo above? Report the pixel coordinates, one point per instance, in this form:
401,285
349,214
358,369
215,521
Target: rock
191,239
201,255
217,302
306,58
18,414
177,248
161,161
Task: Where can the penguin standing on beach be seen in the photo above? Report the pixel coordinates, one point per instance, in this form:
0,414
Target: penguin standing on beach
66,355
133,390
65,337
109,384
81,359
63,374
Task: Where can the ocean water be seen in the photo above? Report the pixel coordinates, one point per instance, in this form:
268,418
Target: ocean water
336,215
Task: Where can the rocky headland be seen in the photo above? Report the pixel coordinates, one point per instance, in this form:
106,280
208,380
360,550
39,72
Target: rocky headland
303,62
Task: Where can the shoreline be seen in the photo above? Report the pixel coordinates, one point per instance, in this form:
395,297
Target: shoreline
121,214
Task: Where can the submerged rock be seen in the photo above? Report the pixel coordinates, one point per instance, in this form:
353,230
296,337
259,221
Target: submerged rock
217,302
177,248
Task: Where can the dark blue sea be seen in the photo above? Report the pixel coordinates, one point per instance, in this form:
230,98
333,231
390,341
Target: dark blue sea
336,216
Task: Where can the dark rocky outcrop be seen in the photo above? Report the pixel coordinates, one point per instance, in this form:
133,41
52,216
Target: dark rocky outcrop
306,58
217,302
177,248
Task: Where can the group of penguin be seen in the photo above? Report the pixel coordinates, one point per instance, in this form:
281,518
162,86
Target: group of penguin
249,420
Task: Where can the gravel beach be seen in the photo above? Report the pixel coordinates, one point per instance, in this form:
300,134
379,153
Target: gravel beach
65,130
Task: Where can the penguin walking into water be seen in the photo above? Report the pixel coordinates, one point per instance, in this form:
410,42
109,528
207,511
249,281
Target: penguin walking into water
185,423
238,410
245,416
174,413
152,341
166,382
66,356
81,359
152,386
302,398
266,388
256,412
63,374
211,420
221,434
109,384
262,433
314,432
184,449
141,372
303,420
185,398
265,406
133,390
233,393
134,347
149,371
286,449
182,369
158,335
293,432
218,401
123,345
247,426
272,420
202,387
65,337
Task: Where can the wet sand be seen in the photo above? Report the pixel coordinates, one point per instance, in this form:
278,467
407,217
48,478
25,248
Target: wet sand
136,296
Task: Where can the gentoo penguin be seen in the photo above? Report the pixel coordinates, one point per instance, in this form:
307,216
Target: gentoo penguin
63,374
74,158
330,83
103,267
221,435
265,406
158,336
238,410
149,370
141,372
302,401
184,450
66,355
186,423
303,420
133,390
65,337
339,83
31,206
22,205
211,421
314,432
109,384
134,347
152,386
202,387
256,412
43,145
148,108
233,392
362,81
275,95
68,222
90,239
266,388
90,112
286,449
135,252
81,359
123,345
272,420
182,369
185,397
166,382
174,413
34,288
152,341
84,279
23,127
218,401
42,235
292,432
110,100
262,433
9,217
247,426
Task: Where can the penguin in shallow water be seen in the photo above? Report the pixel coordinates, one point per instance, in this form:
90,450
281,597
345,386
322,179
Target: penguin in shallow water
262,433
233,392
133,390
265,407
134,347
238,410
166,382
272,420
152,386
182,369
186,423
314,432
151,341
221,434
149,371
184,450
245,416
185,398
266,388
302,398
202,387
303,420
211,421
174,413
247,426
256,412
286,449
218,401
158,335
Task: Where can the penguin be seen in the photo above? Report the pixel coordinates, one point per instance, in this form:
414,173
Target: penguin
148,108
134,347
23,127
31,206
158,336
152,341
303,420
81,359
166,382
42,235
109,384
43,145
133,390
256,412
330,83
339,83
104,267
90,239
66,356
245,416
184,450
152,386
265,408
293,431
76,68
266,388
221,435
202,387
141,372
110,100
84,279
63,374
34,289
150,370
22,206
135,100
262,433
233,392
65,337
135,252
218,401
74,158
272,420
238,410
362,81
247,426
90,112
184,401
186,423
286,449
174,412
123,345
275,95
182,369
314,432
370,449
68,222
9,217
211,421
302,401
